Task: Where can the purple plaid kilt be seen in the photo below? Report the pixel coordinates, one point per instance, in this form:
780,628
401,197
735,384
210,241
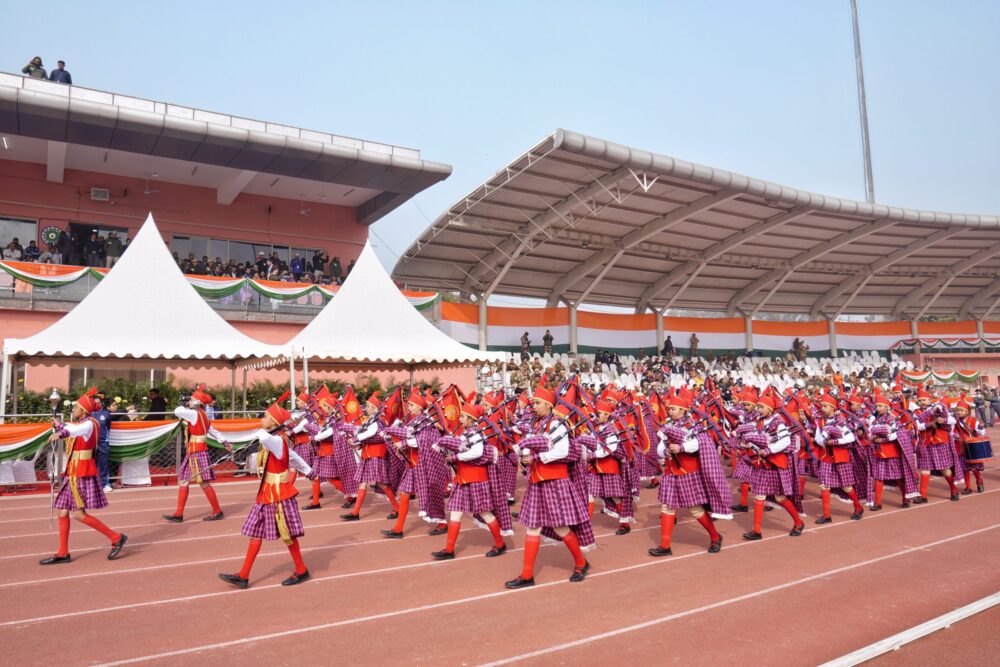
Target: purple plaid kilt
90,491
261,523
308,453
205,470
772,482
345,465
935,457
605,486
836,475
433,474
887,469
507,469
743,469
372,471
325,467
553,503
472,498
806,466
408,482
680,491
973,466
646,464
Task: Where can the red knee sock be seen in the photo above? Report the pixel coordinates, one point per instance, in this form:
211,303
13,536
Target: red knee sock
744,492
951,484
733,458
802,486
853,495
63,536
925,479
315,498
293,548
99,526
825,494
252,550
182,498
590,509
758,514
213,499
968,479
531,544
453,528
573,544
666,529
404,509
339,485
387,490
792,512
360,501
494,527
706,521
879,487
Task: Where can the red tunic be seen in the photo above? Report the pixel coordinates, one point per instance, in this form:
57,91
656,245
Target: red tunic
80,453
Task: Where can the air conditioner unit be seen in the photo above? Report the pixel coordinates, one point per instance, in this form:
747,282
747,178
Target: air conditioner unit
100,194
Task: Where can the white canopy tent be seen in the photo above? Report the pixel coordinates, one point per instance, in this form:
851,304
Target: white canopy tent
370,324
143,309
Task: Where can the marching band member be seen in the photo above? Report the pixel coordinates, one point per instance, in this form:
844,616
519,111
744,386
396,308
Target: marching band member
746,412
275,513
693,477
835,442
935,451
892,453
197,464
302,437
554,502
409,444
80,490
606,478
774,472
805,463
471,493
373,470
325,443
966,427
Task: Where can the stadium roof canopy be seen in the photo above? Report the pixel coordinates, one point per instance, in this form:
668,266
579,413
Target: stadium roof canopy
71,127
582,220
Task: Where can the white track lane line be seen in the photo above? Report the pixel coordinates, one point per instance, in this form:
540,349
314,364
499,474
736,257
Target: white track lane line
553,649
397,568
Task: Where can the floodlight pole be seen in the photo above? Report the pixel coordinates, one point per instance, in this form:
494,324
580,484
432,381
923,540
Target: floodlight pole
862,106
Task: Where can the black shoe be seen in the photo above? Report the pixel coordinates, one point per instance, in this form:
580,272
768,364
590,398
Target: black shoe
797,530
348,504
906,503
919,500
497,551
296,578
213,517
980,488
322,495
966,491
443,555
394,534
623,529
752,535
580,573
875,508
55,560
824,519
439,530
512,501
350,517
652,484
312,506
954,497
116,547
657,552
520,582
768,508
392,516
715,546
172,518
857,515
235,580
514,515
740,508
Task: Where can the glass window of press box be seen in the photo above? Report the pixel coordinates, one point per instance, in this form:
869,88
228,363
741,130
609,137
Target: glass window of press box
237,251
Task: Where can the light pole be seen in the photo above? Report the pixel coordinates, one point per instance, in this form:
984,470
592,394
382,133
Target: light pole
862,106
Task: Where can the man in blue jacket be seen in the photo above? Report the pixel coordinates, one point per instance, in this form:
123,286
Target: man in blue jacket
103,417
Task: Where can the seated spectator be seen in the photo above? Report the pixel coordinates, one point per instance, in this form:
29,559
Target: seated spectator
13,252
60,74
46,257
34,69
32,252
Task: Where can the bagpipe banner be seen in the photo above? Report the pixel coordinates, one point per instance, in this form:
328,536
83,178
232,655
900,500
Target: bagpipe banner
212,287
129,440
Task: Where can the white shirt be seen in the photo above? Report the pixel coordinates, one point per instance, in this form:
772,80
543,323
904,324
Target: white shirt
81,429
474,449
191,417
610,446
274,445
558,444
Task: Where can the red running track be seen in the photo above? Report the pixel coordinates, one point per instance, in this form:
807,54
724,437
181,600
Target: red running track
782,600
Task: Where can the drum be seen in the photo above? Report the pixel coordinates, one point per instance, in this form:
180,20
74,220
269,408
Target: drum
978,450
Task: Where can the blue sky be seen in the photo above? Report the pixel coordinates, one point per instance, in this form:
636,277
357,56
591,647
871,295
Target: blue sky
764,88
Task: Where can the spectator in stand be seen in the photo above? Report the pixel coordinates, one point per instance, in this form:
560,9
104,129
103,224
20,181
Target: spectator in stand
994,406
34,69
336,270
261,264
67,247
297,267
32,252
319,260
13,252
157,406
112,250
47,256
668,348
92,249
60,74
350,267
